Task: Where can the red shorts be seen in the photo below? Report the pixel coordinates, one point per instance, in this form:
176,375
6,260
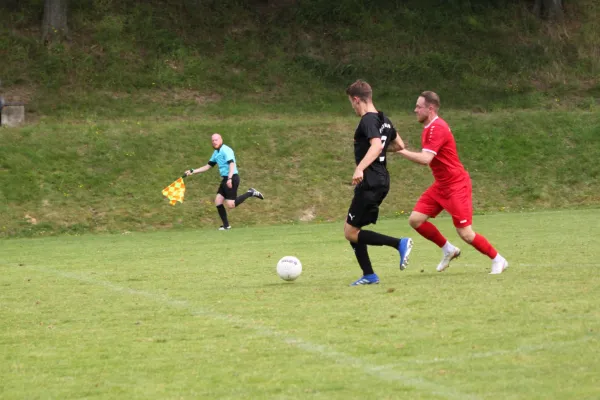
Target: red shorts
455,199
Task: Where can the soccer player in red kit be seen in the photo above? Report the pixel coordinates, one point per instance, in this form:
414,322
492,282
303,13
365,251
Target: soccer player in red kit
451,190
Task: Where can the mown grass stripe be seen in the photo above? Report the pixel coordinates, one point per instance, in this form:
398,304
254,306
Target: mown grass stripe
378,371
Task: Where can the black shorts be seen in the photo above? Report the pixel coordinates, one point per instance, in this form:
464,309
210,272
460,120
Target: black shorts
364,209
229,194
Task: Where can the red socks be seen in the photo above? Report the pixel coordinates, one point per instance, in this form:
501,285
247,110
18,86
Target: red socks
481,244
430,232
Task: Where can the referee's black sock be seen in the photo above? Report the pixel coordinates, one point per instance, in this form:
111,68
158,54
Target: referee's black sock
223,215
240,199
362,256
377,239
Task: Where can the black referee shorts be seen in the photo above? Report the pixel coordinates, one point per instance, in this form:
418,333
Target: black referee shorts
229,194
364,209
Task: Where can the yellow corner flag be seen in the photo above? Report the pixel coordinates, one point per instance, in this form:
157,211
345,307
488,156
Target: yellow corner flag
175,191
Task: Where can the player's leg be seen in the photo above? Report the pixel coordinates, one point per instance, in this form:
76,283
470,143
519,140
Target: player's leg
360,250
461,209
351,231
499,263
428,206
372,199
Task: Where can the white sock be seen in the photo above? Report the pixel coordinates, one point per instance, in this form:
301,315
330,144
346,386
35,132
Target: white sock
448,247
498,257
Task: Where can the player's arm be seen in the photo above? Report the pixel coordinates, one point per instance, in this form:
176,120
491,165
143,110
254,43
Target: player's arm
372,154
424,157
396,145
201,169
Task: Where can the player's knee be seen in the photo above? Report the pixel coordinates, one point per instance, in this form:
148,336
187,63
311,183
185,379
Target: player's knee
351,233
351,236
230,204
415,221
467,234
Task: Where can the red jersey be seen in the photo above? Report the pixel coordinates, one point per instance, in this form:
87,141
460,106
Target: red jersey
445,166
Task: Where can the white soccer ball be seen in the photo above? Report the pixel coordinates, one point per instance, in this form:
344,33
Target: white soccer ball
289,268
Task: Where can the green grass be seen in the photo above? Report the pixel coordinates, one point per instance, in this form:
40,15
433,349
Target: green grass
487,55
202,314
96,175
160,305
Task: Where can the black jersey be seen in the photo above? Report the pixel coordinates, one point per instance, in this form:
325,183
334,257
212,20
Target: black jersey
374,125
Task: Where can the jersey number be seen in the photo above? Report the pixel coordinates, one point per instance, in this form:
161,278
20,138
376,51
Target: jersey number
382,155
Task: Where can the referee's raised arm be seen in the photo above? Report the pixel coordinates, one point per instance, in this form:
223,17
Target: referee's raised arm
198,170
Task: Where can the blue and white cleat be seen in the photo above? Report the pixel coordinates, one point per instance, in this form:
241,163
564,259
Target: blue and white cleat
370,279
404,249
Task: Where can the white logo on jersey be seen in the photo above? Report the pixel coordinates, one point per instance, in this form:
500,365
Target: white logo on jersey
385,125
351,216
463,221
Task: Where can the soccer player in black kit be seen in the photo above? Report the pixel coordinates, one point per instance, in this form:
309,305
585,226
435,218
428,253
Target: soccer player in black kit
374,136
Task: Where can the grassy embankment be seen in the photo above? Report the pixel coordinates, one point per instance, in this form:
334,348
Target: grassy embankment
125,106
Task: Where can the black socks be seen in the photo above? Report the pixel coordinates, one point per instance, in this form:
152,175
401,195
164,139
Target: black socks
240,199
223,215
362,256
377,239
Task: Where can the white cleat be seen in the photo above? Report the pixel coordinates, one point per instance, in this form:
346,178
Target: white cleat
499,266
445,263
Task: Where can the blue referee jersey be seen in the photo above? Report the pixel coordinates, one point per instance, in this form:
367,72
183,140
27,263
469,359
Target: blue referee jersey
222,157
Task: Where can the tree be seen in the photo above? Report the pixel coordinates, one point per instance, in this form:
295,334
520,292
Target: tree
549,9
54,25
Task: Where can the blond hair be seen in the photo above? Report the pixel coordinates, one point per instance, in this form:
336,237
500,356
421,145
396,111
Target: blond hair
431,98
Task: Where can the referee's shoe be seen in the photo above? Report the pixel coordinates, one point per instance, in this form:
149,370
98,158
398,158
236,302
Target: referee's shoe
256,193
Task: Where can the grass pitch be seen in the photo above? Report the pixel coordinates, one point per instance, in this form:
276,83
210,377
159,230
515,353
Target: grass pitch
202,314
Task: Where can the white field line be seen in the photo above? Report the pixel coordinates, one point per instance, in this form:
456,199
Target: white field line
383,372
